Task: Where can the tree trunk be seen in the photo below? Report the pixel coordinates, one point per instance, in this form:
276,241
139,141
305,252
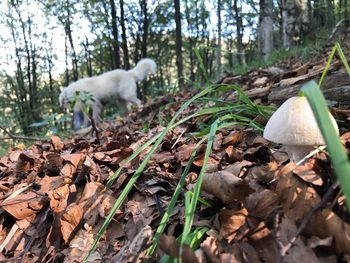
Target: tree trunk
296,21
191,39
88,57
68,31
239,29
178,44
49,63
218,58
115,41
124,39
66,83
145,28
266,28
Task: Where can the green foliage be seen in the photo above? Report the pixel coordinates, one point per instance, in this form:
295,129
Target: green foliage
84,99
51,123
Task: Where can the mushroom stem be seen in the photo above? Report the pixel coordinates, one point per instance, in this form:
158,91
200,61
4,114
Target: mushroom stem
297,152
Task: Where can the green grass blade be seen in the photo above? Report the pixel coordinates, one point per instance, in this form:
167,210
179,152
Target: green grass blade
201,65
189,215
172,202
327,65
335,149
140,169
343,58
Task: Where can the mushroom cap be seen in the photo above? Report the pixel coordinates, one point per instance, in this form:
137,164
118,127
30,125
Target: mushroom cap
294,124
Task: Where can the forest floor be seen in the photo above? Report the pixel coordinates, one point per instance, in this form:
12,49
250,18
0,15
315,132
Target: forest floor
256,206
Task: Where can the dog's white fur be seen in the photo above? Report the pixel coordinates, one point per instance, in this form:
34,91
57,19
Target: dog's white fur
118,82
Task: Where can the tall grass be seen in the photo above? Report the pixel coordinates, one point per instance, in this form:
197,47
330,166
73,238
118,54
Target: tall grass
318,105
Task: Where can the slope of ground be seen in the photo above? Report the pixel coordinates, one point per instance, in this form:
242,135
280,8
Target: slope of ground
259,207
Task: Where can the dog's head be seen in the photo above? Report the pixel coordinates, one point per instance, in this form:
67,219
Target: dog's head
152,66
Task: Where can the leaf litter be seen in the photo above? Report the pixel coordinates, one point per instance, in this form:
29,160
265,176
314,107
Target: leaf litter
53,198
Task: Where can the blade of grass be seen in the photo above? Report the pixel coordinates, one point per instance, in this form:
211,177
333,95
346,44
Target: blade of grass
173,200
189,215
153,139
343,58
334,49
140,169
201,65
335,149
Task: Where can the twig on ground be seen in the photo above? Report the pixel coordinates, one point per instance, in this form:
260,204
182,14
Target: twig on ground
285,248
94,128
15,137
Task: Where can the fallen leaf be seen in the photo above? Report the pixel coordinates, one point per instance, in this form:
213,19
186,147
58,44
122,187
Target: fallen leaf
233,138
24,205
183,153
57,143
306,173
226,185
299,252
70,220
162,157
170,246
230,222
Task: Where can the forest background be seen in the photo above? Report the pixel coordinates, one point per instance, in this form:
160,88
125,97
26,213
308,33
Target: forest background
45,45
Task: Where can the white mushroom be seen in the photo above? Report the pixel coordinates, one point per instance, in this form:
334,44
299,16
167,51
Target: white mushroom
294,126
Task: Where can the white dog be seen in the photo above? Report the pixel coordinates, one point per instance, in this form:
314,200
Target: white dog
118,82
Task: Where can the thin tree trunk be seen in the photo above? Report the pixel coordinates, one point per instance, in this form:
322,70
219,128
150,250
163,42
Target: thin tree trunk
178,44
68,31
266,28
239,29
191,40
144,28
218,58
115,41
66,62
88,57
49,71
124,39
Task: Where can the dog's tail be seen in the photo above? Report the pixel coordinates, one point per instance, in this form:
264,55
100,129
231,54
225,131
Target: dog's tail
143,68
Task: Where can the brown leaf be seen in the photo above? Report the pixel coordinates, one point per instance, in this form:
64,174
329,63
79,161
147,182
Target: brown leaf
200,161
70,220
306,173
68,170
233,138
102,157
24,205
226,186
170,246
183,153
217,141
262,204
75,159
80,245
299,198
58,198
230,222
162,157
326,223
299,252
23,164
134,250
57,143
234,153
